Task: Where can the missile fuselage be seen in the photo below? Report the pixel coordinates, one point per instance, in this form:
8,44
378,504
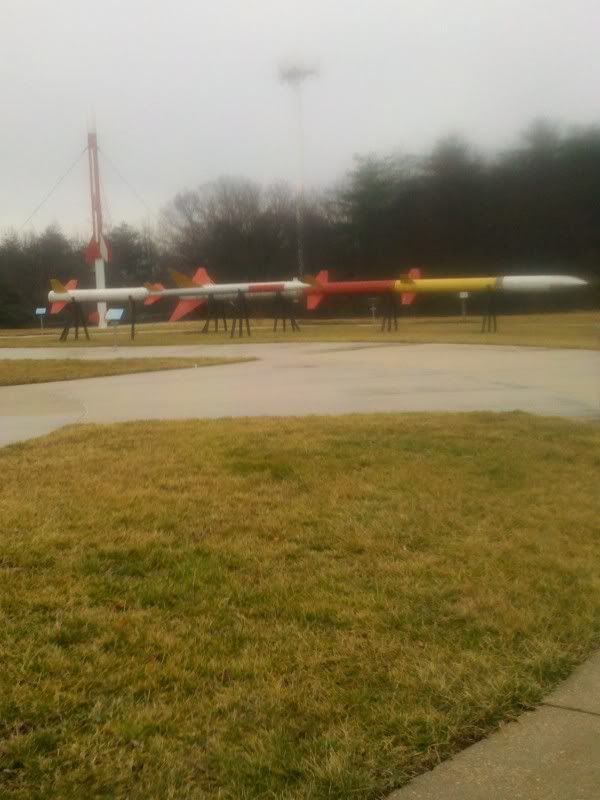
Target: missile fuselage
229,291
122,295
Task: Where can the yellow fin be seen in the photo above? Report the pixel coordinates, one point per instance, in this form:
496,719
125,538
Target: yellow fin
57,286
181,280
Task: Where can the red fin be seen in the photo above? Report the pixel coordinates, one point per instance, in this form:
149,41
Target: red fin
408,297
202,277
96,250
154,298
184,307
323,276
313,301
56,307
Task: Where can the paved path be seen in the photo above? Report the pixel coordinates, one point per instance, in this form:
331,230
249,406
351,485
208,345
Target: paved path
296,379
552,753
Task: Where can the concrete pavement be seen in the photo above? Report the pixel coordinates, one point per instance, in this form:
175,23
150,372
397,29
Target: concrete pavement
310,378
552,753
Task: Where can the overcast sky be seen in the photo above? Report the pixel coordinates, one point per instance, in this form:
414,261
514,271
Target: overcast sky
183,91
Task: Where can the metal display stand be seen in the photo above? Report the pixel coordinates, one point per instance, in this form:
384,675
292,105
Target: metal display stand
489,322
215,311
390,312
284,311
132,317
240,316
77,318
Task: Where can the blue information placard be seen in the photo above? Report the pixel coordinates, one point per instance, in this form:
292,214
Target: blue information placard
114,314
40,312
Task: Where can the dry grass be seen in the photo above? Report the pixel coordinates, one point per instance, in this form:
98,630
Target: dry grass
314,608
13,372
576,329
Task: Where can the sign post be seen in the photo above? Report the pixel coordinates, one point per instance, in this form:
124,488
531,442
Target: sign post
41,313
113,317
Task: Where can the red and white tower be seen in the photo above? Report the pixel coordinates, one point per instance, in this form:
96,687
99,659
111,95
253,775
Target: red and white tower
98,250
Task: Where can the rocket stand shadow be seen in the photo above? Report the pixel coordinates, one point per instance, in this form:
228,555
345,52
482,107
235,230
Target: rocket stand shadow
240,315
489,323
215,311
390,312
77,318
284,311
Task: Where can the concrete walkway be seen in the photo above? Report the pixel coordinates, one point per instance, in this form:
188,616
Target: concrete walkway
552,753
299,379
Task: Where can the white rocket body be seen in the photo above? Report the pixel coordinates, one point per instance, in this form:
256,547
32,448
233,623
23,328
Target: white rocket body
122,295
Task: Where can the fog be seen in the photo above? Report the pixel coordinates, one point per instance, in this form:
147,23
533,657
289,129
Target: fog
182,92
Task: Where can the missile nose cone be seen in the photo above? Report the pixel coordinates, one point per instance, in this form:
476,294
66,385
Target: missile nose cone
540,282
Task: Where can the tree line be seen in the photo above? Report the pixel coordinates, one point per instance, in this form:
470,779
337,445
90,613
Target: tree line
533,208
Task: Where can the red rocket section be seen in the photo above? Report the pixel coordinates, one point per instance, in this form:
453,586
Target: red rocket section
98,246
323,287
258,288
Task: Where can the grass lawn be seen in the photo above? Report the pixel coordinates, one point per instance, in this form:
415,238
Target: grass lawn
286,608
14,371
576,329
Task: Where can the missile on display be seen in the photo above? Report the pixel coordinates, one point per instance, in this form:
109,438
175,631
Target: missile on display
410,284
61,295
69,294
196,291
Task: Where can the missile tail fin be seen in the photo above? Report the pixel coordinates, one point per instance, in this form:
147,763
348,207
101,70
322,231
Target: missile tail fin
57,286
153,298
321,278
181,280
185,307
201,277
413,274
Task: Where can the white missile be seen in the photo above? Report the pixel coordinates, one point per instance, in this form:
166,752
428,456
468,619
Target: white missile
61,294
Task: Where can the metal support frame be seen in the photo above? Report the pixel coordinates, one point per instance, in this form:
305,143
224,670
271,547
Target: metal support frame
77,318
240,315
215,310
132,316
489,322
390,312
284,311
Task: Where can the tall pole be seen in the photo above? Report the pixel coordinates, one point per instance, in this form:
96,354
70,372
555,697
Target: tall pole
300,199
294,75
97,248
